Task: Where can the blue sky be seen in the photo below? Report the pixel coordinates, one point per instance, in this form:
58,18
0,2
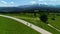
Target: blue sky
6,3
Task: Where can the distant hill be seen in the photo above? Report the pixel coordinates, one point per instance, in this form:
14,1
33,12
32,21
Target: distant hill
30,7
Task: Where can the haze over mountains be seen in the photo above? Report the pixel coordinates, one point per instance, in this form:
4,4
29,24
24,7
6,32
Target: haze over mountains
29,7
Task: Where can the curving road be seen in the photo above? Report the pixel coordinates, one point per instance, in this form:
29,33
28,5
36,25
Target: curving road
40,30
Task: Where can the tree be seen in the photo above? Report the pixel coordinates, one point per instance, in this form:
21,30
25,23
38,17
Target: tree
43,17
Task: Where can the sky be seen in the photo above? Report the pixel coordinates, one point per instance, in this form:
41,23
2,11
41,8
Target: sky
11,3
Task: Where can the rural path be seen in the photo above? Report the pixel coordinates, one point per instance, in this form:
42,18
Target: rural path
54,27
40,30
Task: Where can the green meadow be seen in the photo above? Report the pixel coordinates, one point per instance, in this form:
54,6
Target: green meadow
9,26
35,20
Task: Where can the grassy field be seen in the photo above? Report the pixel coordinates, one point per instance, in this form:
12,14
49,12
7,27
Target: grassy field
56,22
9,26
35,20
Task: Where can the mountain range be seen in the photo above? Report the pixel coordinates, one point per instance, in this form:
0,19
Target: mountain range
30,7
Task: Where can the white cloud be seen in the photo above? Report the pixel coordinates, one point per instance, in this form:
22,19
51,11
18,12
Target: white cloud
4,2
11,3
33,2
45,3
41,0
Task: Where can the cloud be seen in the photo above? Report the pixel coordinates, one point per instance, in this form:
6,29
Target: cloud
49,2
4,2
43,3
11,4
41,0
33,2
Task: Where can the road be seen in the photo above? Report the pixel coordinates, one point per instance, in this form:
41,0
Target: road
38,29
